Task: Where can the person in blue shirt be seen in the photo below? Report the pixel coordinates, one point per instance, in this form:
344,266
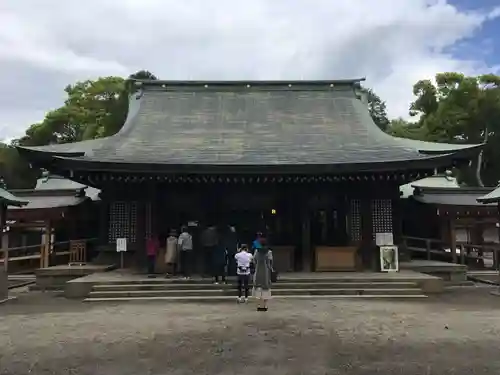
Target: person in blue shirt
256,244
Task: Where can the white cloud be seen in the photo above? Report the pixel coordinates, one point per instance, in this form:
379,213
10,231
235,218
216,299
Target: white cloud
392,43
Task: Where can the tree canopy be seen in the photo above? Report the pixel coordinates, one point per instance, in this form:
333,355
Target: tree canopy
458,109
92,109
378,110
16,173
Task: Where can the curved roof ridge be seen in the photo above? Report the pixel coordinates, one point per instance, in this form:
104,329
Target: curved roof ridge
281,82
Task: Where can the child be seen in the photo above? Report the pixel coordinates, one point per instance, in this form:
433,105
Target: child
243,261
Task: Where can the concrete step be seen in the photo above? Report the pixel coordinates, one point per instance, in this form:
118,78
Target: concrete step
227,292
232,299
231,286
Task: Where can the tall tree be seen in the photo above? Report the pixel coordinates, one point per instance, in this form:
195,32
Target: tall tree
378,110
92,109
461,109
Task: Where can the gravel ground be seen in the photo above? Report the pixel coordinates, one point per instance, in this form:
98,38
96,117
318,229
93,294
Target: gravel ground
454,334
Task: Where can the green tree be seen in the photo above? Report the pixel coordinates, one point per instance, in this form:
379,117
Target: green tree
405,129
378,110
461,109
15,171
92,109
144,74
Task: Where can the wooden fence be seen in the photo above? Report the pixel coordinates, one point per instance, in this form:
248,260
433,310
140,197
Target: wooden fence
46,254
434,248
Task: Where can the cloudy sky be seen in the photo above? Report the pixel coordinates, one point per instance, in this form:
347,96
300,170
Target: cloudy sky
47,44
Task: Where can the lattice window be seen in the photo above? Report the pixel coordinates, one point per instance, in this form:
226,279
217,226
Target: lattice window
381,216
148,230
122,221
355,220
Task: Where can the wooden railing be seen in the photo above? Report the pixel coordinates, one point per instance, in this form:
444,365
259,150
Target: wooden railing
467,252
74,250
428,245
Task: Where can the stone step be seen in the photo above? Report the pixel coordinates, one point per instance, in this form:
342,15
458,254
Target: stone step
227,292
282,280
231,286
232,299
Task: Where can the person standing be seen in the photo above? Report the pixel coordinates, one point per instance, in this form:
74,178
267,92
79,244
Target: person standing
263,259
243,261
230,242
152,247
256,244
185,246
171,252
219,261
209,241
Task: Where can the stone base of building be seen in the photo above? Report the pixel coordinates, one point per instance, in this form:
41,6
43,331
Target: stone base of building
55,278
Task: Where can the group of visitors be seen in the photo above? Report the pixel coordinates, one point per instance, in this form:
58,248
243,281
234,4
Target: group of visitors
221,256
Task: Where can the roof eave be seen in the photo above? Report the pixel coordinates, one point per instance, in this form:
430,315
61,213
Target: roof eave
488,200
40,156
468,151
69,163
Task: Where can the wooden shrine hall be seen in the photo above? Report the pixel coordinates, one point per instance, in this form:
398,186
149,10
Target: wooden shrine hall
451,212
300,160
56,211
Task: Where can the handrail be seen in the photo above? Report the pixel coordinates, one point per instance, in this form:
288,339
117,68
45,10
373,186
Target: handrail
63,249
462,245
37,246
435,240
483,246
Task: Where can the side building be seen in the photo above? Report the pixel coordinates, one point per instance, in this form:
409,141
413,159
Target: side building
301,160
440,215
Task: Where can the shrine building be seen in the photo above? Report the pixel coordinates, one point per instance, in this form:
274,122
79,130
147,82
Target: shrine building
301,160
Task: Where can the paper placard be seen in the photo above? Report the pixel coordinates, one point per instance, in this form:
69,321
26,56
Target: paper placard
383,239
121,245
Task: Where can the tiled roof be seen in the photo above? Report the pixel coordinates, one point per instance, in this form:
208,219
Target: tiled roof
11,199
54,182
250,123
492,197
40,202
439,181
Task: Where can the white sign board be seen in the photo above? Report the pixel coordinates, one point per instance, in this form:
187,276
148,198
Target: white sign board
389,259
384,239
121,245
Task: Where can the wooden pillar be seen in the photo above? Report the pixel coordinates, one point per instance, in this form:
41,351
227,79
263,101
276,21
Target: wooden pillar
3,214
46,244
453,240
397,226
141,225
5,249
367,247
103,220
4,280
306,242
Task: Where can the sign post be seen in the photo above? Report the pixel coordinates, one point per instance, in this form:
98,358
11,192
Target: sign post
121,247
